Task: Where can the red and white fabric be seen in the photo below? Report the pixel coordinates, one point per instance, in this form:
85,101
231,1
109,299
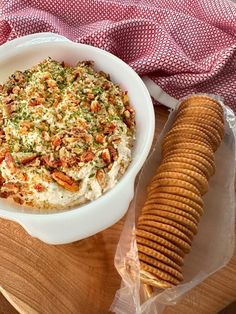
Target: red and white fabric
184,46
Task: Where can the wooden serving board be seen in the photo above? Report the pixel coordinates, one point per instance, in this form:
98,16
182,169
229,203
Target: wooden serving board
80,278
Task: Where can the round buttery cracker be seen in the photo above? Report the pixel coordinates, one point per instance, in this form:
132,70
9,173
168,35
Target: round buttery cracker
149,280
162,226
183,152
210,133
184,134
177,166
194,147
183,130
176,273
176,201
153,276
196,100
210,125
187,130
202,102
173,182
179,218
203,105
160,248
165,220
206,168
178,191
165,210
196,123
158,256
215,123
195,178
160,241
205,113
195,126
185,246
206,105
167,145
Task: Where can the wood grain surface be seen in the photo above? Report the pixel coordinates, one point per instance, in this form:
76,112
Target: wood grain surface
80,278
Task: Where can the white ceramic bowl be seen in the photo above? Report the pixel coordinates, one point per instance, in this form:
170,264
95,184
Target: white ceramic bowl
86,220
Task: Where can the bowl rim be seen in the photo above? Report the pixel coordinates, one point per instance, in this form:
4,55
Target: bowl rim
133,168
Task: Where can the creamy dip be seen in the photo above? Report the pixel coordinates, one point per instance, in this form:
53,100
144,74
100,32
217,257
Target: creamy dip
66,135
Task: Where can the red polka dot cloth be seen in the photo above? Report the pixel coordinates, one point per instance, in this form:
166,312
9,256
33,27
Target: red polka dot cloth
184,46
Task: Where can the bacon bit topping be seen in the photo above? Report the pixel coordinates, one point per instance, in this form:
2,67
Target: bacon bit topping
100,138
109,128
65,181
39,187
56,141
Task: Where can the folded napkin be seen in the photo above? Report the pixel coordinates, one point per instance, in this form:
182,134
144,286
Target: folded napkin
184,46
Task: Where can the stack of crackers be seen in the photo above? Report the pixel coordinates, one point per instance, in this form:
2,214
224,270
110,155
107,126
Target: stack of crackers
170,216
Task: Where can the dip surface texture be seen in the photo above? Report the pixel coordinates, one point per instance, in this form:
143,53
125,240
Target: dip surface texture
66,135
